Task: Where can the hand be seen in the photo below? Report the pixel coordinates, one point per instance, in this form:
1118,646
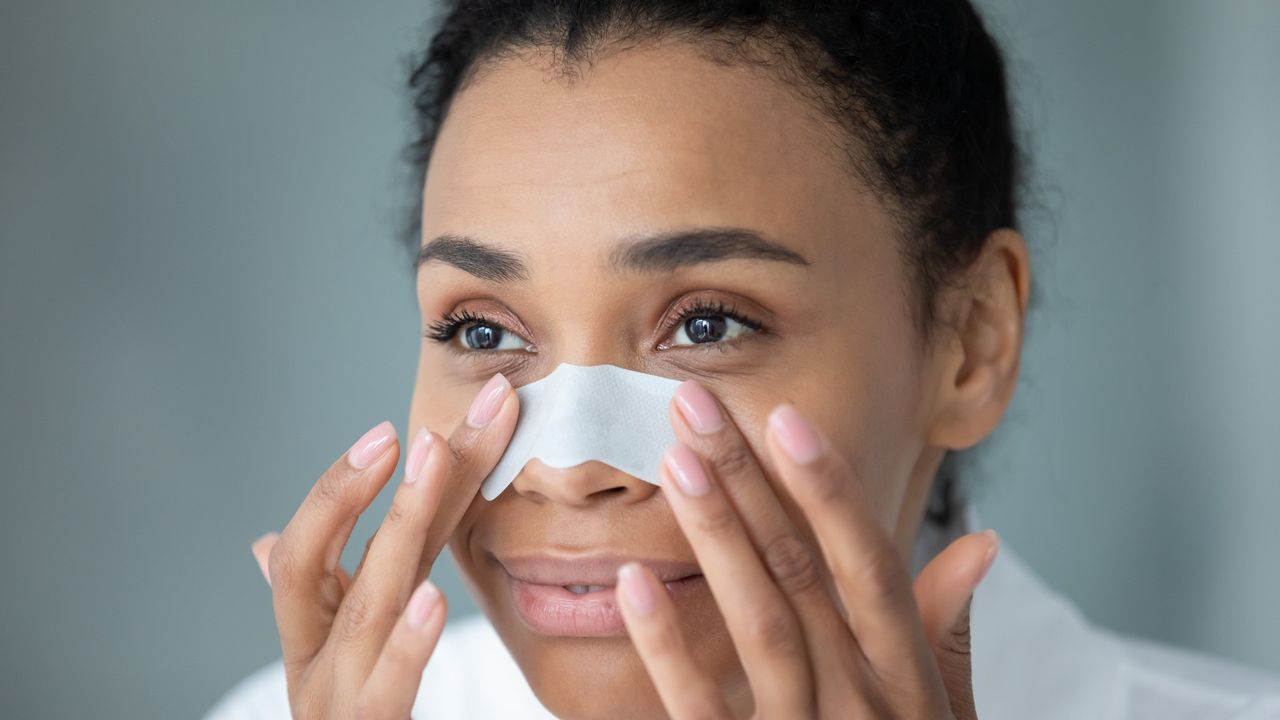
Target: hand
351,647
874,647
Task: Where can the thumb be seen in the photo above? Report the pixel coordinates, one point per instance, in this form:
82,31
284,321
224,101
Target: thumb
956,664
262,550
944,591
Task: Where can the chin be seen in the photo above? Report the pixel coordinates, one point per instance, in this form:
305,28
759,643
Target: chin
589,678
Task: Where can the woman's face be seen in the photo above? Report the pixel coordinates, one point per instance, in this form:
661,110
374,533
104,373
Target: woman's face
809,303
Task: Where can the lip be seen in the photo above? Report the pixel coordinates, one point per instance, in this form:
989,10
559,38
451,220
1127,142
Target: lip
543,602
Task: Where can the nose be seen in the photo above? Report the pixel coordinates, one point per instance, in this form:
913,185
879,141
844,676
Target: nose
589,483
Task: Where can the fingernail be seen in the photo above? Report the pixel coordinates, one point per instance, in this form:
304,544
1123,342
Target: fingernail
686,468
262,565
488,401
420,605
698,408
989,559
371,445
417,456
261,559
635,589
795,434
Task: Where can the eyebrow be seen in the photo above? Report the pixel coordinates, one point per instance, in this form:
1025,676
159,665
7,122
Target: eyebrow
470,255
663,252
669,251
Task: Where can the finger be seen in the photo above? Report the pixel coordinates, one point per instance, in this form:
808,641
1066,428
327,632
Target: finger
392,686
763,625
944,591
701,422
955,662
475,445
383,584
944,585
684,687
262,550
365,553
871,578
302,562
440,481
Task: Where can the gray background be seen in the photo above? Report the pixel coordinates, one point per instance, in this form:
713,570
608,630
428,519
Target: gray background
202,304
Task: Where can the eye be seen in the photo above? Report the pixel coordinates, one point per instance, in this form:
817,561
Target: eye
486,336
707,325
473,333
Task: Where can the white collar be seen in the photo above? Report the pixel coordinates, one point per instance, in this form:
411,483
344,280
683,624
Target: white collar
1034,654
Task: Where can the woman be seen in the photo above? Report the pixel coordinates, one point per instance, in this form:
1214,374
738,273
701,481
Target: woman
806,212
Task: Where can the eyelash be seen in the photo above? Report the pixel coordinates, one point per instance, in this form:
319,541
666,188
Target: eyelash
444,329
703,309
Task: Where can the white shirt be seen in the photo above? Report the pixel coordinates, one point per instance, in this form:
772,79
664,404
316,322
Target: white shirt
1034,656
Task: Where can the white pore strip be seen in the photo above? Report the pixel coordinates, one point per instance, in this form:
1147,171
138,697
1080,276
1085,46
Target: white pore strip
578,413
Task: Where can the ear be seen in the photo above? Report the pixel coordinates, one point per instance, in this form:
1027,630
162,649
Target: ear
974,366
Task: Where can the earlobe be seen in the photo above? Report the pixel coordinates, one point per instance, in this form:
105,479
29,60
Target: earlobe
975,370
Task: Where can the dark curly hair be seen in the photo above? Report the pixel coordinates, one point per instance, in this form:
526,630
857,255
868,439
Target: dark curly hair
918,86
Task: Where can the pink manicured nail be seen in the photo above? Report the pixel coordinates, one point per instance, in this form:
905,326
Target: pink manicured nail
420,605
989,559
686,468
795,434
417,456
698,408
637,592
262,559
371,445
488,401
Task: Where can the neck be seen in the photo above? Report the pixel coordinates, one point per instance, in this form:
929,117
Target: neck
917,541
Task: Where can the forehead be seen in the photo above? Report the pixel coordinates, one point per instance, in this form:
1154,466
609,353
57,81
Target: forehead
647,139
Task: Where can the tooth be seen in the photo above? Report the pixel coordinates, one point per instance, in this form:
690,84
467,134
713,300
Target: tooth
583,589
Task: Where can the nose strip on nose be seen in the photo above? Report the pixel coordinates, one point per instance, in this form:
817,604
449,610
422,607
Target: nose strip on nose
599,412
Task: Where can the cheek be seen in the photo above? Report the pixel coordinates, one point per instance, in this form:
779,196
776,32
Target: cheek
866,414
873,428
476,513
438,405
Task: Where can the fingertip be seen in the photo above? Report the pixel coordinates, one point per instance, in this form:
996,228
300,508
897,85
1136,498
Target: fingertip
423,604
371,446
989,557
510,403
444,605
797,437
260,548
699,409
489,402
635,589
503,422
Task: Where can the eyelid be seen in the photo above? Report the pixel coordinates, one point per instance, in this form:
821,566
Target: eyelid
696,304
446,329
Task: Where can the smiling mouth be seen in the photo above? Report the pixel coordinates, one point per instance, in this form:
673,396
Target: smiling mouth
577,610
584,589
575,596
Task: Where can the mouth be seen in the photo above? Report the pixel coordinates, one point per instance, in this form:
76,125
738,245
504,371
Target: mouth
574,596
